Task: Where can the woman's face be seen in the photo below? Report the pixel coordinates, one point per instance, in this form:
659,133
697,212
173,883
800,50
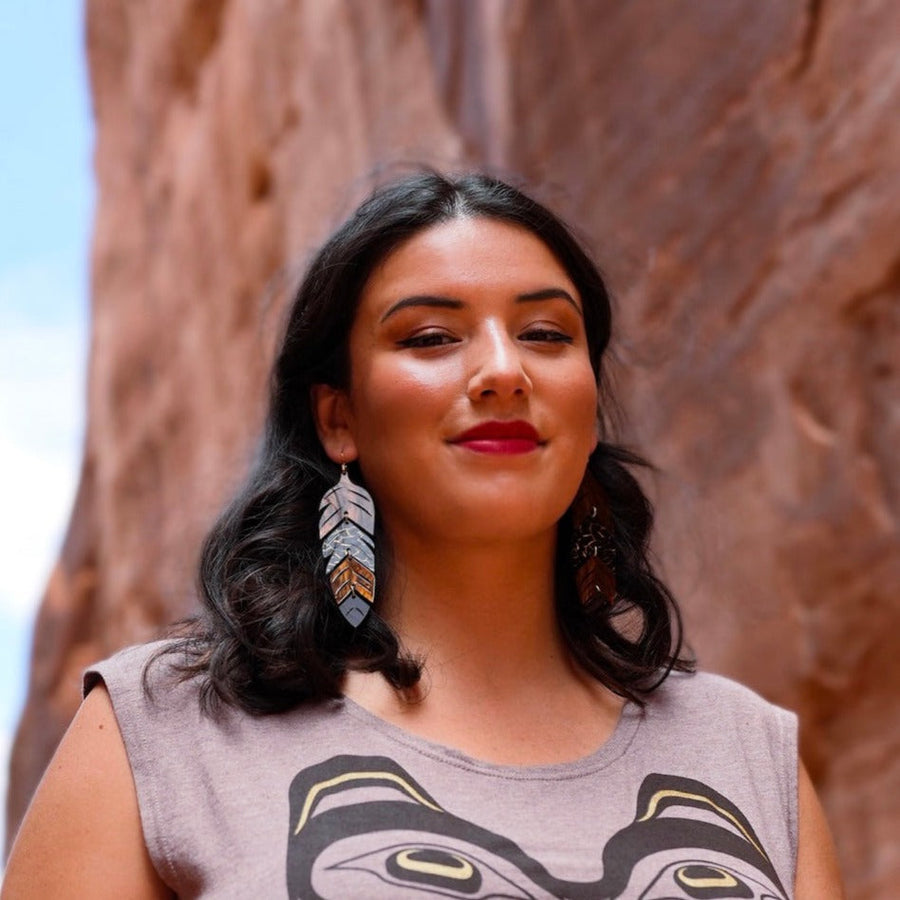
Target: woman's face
472,405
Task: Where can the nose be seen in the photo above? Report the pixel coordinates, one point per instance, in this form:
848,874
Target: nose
497,367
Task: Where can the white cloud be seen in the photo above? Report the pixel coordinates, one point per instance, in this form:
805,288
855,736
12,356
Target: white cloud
37,491
14,635
42,388
5,747
47,288
42,351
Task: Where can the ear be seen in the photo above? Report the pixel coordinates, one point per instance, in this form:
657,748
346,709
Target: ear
331,410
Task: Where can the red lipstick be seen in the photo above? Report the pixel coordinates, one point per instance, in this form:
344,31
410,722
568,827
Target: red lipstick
500,437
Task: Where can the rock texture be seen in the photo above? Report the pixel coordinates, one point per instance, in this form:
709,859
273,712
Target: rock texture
735,166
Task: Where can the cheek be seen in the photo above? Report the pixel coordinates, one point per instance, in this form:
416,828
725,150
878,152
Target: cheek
579,397
394,393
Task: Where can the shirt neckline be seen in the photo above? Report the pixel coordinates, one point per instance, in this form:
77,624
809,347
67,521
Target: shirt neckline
630,718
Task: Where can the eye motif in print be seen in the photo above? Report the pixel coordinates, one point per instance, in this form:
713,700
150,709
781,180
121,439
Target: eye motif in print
361,826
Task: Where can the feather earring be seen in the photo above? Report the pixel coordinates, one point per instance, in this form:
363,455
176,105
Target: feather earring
347,532
593,552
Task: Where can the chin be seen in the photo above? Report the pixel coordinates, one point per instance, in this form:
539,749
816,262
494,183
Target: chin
504,521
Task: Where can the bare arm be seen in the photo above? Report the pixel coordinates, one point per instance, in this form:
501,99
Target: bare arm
818,877
82,834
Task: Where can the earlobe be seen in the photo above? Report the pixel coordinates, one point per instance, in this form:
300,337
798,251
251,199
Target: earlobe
331,410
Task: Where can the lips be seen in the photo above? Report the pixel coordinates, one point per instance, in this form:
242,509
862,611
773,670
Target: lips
500,437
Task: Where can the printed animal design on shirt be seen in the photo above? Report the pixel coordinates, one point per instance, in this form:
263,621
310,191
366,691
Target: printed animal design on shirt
361,826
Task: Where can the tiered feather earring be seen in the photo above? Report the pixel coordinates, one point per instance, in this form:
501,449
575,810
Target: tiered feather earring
593,552
347,532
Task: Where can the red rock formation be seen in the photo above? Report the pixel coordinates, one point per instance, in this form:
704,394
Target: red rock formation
735,166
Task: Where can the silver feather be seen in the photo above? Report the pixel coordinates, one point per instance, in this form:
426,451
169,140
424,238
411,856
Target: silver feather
347,529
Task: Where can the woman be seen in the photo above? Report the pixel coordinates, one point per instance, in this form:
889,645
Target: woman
433,659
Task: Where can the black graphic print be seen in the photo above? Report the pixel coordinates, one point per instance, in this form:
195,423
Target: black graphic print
362,826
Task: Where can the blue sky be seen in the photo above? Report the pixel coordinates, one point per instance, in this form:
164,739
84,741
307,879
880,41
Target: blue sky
46,199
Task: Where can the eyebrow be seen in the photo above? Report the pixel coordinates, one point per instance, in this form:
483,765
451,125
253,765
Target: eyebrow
549,294
423,300
433,300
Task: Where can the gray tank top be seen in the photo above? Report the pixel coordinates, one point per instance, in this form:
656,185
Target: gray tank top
695,796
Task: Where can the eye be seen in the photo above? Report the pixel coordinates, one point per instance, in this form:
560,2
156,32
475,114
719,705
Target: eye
433,869
546,334
424,339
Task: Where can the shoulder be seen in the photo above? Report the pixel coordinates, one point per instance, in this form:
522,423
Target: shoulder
145,680
730,722
723,711
706,691
89,782
131,665
167,738
725,735
157,709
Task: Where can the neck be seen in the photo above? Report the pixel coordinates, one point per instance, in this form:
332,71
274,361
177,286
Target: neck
498,682
479,612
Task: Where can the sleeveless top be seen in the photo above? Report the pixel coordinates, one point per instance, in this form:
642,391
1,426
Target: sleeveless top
693,796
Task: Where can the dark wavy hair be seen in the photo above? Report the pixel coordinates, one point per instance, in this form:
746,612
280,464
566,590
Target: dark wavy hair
270,636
